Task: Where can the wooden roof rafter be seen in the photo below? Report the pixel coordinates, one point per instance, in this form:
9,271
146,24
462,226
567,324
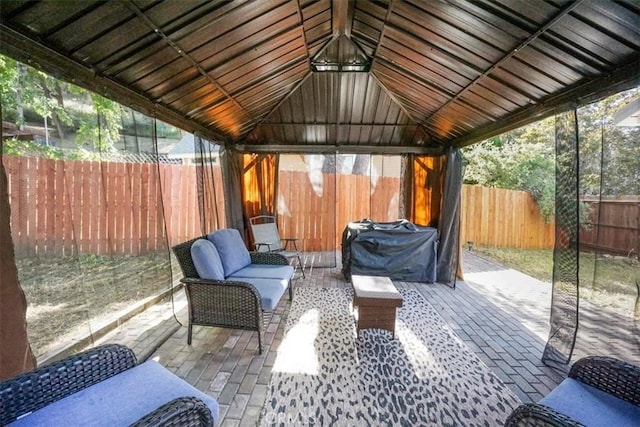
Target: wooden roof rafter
174,45
563,12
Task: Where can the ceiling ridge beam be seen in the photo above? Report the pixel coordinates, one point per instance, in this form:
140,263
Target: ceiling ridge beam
186,56
542,30
375,77
342,17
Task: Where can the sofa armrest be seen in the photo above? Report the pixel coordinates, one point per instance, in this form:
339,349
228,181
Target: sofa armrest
610,375
182,411
271,258
535,415
223,302
36,389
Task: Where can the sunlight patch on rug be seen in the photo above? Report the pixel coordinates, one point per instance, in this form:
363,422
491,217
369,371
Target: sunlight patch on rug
426,376
296,354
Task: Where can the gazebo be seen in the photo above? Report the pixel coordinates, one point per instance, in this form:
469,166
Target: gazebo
413,79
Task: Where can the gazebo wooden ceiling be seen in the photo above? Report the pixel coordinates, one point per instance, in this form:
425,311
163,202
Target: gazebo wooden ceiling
319,76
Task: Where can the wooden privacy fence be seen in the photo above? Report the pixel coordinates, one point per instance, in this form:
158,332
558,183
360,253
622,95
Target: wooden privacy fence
316,209
490,216
614,225
62,207
498,217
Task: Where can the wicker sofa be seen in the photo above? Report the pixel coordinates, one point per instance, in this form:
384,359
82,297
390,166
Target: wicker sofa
103,386
599,391
228,286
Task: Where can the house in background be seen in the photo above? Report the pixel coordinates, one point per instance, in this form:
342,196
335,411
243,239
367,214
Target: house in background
188,152
629,115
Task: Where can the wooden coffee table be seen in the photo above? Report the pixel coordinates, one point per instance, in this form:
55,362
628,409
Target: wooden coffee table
377,299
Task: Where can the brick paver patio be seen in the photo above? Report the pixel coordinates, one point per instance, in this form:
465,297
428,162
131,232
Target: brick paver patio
501,314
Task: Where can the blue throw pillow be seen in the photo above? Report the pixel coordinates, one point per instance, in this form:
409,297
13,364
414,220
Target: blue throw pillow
206,260
233,252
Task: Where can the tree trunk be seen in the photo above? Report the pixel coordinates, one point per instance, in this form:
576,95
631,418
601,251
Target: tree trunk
20,108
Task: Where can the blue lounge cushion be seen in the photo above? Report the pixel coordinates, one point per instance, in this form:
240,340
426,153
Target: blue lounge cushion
118,401
207,260
270,290
591,406
233,253
265,271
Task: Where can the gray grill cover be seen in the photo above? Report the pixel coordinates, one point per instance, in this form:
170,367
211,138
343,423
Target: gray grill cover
399,250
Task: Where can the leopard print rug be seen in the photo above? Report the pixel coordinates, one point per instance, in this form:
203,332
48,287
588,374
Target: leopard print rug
323,375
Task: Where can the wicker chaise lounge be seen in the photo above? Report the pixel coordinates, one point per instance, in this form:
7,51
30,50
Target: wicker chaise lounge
103,386
599,391
228,286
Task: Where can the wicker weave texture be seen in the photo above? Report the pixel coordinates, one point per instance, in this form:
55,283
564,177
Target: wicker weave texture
271,258
613,376
180,412
33,390
182,252
223,303
534,415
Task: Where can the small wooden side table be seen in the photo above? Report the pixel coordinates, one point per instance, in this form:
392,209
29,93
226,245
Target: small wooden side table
377,299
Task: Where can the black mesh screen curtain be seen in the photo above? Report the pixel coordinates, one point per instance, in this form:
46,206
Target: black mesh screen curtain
94,208
319,194
209,184
596,276
431,191
92,231
564,305
609,232
449,222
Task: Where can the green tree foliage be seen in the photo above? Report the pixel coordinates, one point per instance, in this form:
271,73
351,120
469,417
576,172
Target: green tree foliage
520,160
8,82
524,159
26,89
103,132
609,148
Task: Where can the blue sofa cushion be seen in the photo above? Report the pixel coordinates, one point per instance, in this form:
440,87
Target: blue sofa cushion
233,253
270,290
591,406
207,260
265,271
118,401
